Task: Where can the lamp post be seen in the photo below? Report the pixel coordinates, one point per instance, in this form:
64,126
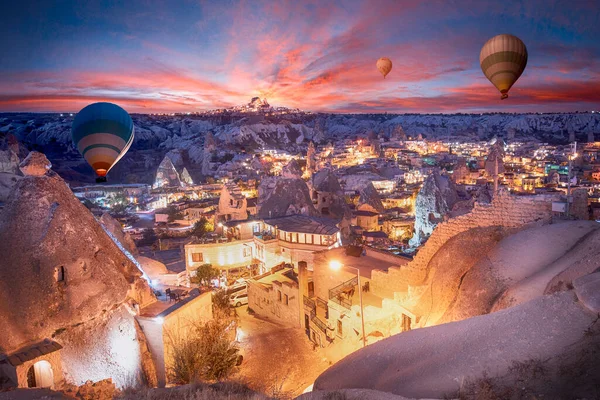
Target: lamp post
336,266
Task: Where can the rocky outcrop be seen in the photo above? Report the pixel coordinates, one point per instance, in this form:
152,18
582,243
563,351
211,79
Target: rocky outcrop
547,347
292,170
368,195
587,289
278,197
505,211
496,154
62,276
114,227
435,199
35,164
167,175
186,177
9,162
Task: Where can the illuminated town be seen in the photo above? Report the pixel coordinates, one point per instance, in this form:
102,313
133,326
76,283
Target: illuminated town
257,251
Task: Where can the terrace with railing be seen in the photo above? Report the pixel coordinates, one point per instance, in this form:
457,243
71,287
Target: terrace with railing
342,294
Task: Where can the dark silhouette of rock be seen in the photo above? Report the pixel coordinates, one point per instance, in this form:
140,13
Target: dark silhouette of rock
284,196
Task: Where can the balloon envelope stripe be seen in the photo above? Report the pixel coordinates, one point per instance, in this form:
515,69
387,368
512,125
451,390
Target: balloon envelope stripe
105,138
505,56
106,146
102,125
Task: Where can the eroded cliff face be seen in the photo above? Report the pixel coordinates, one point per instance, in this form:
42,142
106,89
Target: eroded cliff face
63,277
435,199
279,196
114,227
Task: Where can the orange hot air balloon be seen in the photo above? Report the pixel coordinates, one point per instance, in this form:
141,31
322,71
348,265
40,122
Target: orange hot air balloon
384,65
503,59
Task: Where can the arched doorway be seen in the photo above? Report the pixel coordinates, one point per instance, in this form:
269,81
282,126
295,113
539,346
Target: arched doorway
40,375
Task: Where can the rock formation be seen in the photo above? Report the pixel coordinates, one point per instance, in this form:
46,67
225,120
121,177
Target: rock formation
496,153
330,195
166,175
368,195
291,170
63,277
186,177
9,162
114,227
284,196
461,171
311,158
35,164
435,199
540,347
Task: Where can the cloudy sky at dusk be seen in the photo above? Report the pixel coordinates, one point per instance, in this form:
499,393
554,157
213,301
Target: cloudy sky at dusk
150,56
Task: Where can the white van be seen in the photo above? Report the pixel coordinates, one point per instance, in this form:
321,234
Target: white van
239,298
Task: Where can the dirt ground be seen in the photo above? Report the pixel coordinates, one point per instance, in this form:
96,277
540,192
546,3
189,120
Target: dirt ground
278,360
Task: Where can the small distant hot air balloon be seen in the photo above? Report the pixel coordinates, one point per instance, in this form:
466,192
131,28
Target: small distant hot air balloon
384,65
102,132
503,59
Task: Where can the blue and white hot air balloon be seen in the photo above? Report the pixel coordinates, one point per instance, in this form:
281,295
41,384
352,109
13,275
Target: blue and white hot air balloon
102,132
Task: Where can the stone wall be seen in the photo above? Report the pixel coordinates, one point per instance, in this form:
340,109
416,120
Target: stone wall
265,302
55,363
505,210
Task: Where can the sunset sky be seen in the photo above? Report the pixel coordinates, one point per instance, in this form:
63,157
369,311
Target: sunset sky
151,56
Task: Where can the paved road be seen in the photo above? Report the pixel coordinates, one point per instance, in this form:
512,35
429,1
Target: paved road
277,359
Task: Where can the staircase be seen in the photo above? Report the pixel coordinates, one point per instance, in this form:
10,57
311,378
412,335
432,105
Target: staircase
312,306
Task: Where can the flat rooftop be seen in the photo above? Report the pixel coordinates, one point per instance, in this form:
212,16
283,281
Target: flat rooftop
366,264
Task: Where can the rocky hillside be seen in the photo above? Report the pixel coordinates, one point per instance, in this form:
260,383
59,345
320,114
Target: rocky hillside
516,310
156,135
63,277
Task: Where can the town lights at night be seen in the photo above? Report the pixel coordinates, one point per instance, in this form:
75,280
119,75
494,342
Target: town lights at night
311,196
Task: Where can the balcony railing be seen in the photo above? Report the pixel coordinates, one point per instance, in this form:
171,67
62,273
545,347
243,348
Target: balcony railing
337,293
321,303
309,303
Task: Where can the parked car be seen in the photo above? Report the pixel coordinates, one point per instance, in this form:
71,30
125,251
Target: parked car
237,288
237,299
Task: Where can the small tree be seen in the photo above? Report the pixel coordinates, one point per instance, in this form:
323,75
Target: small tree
206,273
174,214
202,227
149,237
206,352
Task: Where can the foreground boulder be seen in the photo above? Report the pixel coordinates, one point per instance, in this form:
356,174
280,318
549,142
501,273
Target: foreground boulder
63,277
546,347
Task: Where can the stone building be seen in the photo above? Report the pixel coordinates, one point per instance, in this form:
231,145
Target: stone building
274,295
164,327
232,204
263,244
33,366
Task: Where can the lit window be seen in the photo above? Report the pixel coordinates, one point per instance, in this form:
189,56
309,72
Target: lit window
339,328
197,257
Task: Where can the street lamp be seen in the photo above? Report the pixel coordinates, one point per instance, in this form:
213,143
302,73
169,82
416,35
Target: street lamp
336,266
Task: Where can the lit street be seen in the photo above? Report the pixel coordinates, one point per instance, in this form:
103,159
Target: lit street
277,359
